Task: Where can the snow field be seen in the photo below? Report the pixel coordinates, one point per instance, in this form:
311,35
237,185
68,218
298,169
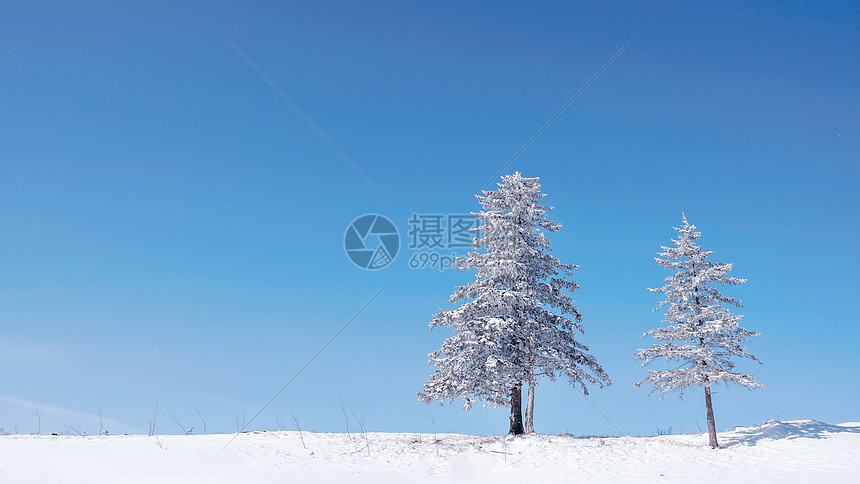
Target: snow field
795,451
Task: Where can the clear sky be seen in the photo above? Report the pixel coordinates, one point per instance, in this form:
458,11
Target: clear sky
172,231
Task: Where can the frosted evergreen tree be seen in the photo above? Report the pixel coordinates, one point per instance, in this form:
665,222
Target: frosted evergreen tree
702,335
514,325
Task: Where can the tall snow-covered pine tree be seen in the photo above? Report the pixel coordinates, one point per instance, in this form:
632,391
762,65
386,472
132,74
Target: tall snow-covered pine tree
507,332
702,335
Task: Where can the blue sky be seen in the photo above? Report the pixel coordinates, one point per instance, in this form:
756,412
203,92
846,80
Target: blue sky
171,230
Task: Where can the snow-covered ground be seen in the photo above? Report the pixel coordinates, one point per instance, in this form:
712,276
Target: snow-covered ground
789,451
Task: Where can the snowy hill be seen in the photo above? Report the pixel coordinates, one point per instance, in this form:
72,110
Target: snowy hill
790,451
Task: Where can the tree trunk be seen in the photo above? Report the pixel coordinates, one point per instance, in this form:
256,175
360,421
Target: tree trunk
530,403
516,410
530,410
712,426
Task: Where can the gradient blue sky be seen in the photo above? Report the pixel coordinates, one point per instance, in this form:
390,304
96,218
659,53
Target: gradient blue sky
171,230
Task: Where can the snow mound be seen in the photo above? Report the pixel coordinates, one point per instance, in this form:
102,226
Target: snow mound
796,429
789,451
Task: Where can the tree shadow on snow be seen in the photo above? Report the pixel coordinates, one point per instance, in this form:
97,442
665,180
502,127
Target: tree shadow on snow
773,430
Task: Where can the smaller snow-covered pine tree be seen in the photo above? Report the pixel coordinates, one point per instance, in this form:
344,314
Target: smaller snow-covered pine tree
702,334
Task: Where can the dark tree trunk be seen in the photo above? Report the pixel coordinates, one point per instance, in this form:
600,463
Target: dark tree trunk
516,410
712,426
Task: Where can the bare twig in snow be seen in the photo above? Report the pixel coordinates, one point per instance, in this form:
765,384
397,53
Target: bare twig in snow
299,427
345,417
505,447
435,437
240,426
186,432
38,413
363,427
201,419
154,418
75,430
